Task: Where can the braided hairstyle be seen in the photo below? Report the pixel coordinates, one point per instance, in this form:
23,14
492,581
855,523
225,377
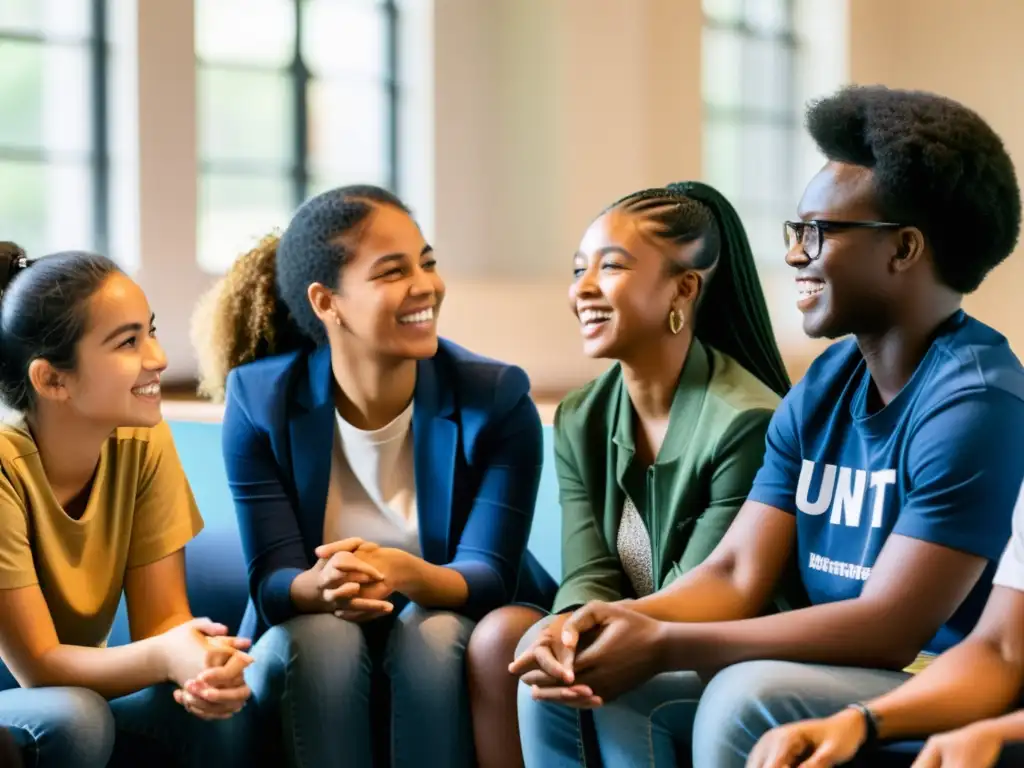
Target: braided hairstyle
261,306
731,313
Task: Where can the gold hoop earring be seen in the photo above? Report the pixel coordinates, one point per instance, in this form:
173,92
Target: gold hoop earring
676,321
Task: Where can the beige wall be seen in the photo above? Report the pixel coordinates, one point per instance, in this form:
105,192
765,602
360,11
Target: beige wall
969,50
524,118
546,112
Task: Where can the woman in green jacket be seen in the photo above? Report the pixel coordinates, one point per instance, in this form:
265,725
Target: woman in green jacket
655,456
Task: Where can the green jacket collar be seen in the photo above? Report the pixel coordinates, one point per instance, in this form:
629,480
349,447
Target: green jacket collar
683,414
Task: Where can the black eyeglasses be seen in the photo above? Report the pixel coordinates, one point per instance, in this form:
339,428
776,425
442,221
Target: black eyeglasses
809,234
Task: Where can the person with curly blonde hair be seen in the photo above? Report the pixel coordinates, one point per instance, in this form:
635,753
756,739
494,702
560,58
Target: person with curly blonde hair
384,481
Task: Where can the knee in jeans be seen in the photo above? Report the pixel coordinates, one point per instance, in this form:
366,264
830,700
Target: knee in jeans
316,649
318,638
739,704
78,722
750,685
429,642
493,643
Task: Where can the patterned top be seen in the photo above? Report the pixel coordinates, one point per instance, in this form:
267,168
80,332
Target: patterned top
634,545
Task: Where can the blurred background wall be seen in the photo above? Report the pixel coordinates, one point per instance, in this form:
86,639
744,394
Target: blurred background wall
173,134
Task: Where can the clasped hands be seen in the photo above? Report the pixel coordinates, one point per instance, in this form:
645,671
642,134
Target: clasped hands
356,577
208,667
592,656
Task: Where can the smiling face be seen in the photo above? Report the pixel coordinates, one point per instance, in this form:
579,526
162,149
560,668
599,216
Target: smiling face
622,293
116,381
849,287
390,293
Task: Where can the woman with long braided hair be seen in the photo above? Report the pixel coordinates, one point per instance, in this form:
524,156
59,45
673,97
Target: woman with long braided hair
655,456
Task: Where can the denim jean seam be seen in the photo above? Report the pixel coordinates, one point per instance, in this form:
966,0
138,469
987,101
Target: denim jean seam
391,717
650,723
35,747
291,730
293,719
580,747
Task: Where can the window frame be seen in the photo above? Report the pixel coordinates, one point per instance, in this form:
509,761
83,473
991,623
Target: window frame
97,47
744,119
299,78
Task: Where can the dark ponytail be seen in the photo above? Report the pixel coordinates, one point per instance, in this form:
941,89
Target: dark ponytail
732,315
12,261
44,313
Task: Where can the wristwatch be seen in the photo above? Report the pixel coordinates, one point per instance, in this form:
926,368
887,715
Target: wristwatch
871,723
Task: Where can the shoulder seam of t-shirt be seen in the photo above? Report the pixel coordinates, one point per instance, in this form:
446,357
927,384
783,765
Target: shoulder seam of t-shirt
967,355
956,398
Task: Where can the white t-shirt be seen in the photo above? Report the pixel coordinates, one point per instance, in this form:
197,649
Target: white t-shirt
1011,565
372,493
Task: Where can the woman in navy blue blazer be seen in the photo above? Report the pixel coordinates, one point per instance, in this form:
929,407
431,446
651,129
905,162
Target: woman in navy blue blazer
384,482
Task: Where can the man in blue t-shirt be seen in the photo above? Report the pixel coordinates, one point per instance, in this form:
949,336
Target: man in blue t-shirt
890,474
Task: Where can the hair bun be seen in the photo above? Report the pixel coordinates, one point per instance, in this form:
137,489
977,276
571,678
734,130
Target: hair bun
12,261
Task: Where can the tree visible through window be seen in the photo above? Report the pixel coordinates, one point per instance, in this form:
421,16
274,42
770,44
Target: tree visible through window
751,125
54,170
293,97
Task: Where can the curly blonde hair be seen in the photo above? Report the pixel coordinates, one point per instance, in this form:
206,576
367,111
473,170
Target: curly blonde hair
240,318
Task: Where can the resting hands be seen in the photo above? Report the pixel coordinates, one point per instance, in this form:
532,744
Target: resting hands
348,584
978,746
836,740
591,656
208,667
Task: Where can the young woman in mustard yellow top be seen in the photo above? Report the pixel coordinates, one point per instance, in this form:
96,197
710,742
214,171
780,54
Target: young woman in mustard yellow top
93,502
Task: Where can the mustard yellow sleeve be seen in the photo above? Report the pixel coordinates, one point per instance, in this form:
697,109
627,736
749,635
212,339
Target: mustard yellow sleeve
17,568
166,516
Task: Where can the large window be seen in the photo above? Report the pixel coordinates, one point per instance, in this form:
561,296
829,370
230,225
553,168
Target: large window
293,97
54,172
751,114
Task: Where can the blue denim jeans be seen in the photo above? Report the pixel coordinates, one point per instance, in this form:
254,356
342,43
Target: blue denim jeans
677,717
78,728
314,674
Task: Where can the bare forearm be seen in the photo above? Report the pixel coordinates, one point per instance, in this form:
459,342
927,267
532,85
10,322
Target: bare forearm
432,586
1010,728
837,633
700,596
111,672
970,682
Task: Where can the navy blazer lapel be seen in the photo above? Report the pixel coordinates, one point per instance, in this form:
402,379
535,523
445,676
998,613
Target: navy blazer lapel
435,441
311,439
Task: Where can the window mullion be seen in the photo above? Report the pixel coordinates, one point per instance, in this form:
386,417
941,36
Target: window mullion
100,63
391,52
300,108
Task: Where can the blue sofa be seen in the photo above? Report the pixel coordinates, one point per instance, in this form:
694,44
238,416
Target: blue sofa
217,582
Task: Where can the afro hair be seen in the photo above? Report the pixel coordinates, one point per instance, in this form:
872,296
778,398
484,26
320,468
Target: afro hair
937,166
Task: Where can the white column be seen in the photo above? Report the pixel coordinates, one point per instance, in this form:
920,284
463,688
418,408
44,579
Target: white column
169,272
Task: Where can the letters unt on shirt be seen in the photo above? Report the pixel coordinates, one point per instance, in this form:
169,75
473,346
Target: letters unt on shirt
844,490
